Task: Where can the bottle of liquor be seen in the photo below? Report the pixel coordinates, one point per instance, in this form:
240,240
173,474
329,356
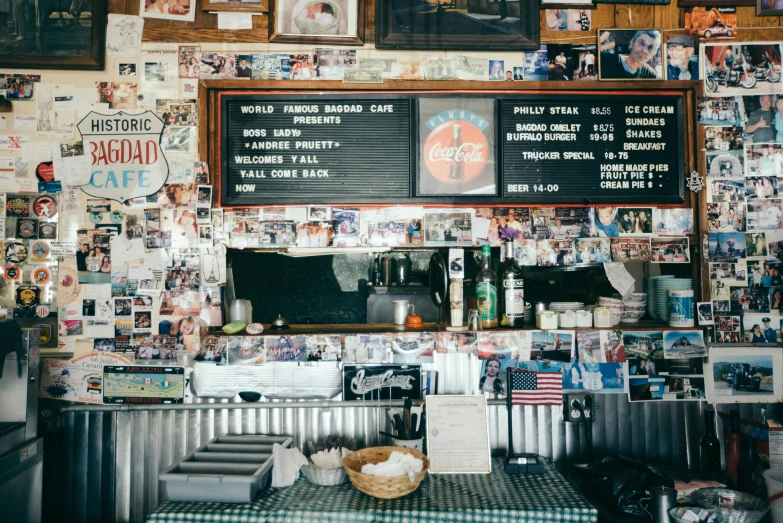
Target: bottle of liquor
710,447
456,166
376,273
733,450
486,292
511,302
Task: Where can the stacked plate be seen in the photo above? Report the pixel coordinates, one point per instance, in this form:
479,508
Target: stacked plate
562,306
650,288
662,288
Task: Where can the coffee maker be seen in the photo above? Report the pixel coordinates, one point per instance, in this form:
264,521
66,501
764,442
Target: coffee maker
21,451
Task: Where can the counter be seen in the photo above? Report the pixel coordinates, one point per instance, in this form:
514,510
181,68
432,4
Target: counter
467,498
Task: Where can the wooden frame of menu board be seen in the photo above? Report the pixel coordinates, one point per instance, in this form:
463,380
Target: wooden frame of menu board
215,141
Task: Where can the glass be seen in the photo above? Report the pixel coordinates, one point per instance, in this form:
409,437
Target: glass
474,323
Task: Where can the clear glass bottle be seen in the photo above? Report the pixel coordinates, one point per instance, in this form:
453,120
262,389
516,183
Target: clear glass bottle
486,291
511,302
709,447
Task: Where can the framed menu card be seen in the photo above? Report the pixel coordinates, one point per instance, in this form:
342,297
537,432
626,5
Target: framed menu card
458,434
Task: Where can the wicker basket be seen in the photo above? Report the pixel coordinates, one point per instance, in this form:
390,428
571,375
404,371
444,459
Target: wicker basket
730,505
381,486
326,477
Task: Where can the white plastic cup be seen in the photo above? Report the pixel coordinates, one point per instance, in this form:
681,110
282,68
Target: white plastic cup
415,444
774,481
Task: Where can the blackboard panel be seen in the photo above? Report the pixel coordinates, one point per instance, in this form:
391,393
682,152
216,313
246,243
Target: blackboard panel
592,149
344,148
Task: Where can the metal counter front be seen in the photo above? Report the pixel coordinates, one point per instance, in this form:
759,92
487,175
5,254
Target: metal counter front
467,498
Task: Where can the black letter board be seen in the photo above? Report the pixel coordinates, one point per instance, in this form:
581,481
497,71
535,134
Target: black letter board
317,148
584,147
574,148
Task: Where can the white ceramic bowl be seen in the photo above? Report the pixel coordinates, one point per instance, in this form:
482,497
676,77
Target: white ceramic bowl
629,307
603,300
637,296
617,317
632,316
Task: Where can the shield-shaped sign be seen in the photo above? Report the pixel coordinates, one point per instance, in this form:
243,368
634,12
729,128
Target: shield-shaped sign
126,156
46,332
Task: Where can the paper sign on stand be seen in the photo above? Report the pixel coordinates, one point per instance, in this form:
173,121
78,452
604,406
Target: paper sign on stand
458,434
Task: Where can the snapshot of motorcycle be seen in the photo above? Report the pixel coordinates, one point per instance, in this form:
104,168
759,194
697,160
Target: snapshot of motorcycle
740,69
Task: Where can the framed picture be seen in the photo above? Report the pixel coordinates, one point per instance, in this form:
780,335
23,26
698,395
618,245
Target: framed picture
630,54
456,147
768,8
499,25
177,10
60,36
237,6
336,22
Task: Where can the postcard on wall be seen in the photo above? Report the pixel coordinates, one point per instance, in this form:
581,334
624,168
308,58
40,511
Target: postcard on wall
123,35
744,375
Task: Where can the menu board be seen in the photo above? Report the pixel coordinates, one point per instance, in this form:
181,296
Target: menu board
578,147
588,149
316,149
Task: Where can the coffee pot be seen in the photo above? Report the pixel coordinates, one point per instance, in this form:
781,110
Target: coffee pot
402,269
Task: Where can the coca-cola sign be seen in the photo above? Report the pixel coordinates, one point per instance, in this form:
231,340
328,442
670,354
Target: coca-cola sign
381,382
457,155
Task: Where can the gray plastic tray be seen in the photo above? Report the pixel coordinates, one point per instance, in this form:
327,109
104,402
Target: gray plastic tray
226,469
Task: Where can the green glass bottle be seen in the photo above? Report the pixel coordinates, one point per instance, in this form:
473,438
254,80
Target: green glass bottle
512,294
487,292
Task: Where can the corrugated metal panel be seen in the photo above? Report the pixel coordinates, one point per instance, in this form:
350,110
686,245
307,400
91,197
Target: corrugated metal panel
112,459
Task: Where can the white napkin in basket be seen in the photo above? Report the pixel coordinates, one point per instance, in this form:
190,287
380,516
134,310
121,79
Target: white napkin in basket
287,465
398,464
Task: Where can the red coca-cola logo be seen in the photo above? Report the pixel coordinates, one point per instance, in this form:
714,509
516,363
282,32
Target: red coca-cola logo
456,151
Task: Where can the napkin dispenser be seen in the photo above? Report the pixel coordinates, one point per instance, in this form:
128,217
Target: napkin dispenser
546,320
602,317
584,319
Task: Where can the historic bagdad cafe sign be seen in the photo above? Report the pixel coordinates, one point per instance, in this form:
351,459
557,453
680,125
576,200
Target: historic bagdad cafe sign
587,148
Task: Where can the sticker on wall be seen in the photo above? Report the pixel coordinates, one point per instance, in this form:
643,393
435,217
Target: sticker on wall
45,172
27,296
127,159
45,207
15,252
47,231
18,205
41,252
116,216
12,272
96,217
26,229
41,276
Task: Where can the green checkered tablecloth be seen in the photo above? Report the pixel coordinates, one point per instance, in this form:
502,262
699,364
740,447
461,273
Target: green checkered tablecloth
463,498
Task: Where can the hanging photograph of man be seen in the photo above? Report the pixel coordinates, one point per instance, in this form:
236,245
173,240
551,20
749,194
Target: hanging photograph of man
633,54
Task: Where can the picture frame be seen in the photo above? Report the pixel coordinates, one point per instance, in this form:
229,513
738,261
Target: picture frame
235,6
393,14
331,22
444,121
184,11
567,4
47,41
763,8
613,43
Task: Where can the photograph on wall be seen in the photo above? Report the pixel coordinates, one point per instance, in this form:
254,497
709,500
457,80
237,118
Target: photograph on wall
710,22
593,250
456,147
216,66
726,246
456,342
412,347
759,117
760,328
119,95
630,54
666,388
725,217
606,378
723,138
535,68
682,57
189,60
628,249
365,348
704,313
177,10
246,350
684,344
756,244
325,347
604,222
93,258
448,226
561,62
764,215
285,348
730,69
585,58
670,250
550,253
723,110
726,164
764,159
672,222
749,299
762,187
744,375
324,21
212,349
634,220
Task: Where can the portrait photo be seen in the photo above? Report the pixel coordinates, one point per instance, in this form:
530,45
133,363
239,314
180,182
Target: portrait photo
630,54
182,10
336,21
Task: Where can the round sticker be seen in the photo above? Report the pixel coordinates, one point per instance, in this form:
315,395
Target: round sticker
12,272
26,228
67,280
42,311
15,252
45,206
41,276
47,230
96,217
40,250
27,296
116,216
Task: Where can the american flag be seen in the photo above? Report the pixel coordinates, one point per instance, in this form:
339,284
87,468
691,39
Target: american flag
536,388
